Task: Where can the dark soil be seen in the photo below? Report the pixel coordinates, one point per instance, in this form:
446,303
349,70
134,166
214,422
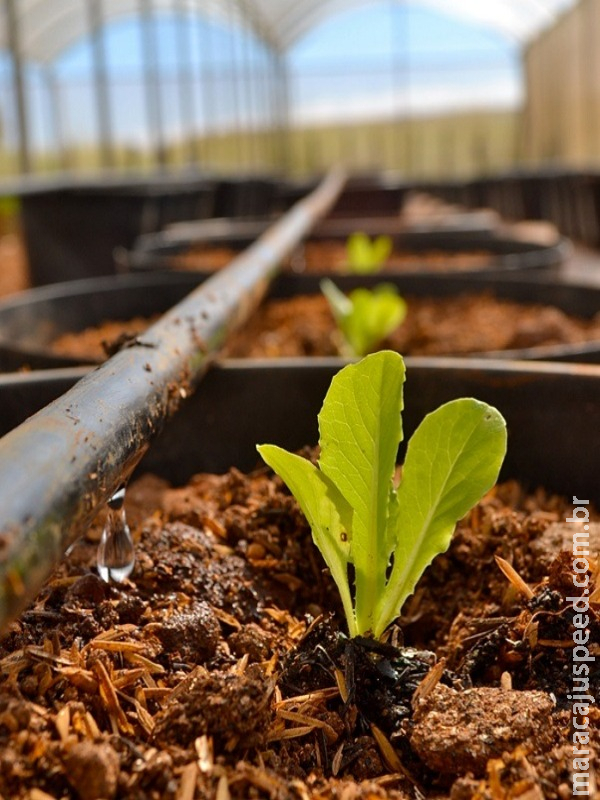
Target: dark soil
326,256
212,674
304,326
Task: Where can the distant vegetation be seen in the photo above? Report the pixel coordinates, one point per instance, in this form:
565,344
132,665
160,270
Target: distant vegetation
457,145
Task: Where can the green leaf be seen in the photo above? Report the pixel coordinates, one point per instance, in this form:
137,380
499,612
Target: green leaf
324,508
375,314
367,316
360,427
365,256
357,516
341,306
452,459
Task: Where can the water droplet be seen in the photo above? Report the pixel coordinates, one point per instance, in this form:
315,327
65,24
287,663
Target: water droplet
116,554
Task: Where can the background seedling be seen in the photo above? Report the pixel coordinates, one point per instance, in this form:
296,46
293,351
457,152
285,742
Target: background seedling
366,256
365,317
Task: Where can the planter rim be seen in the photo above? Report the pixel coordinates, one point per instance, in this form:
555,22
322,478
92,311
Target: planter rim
442,363
579,351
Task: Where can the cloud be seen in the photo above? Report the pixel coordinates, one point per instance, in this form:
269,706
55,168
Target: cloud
418,100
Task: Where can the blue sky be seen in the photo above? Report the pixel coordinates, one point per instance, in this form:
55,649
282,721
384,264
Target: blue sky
373,61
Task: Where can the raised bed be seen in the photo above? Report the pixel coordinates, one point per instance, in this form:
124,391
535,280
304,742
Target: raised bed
72,229
30,322
471,249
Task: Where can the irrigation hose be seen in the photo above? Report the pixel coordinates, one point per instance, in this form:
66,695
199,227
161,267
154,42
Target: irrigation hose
61,465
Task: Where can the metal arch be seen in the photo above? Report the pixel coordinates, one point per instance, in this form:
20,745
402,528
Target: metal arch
48,26
58,25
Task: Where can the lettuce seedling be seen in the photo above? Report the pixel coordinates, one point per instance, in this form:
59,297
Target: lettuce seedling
364,317
360,521
364,255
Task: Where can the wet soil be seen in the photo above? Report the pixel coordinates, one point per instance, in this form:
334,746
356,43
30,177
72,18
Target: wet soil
304,326
220,669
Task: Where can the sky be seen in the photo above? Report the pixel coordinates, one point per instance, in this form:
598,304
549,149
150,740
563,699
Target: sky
374,61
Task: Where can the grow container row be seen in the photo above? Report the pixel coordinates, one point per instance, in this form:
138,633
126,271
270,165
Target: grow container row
568,199
210,672
72,228
31,322
470,249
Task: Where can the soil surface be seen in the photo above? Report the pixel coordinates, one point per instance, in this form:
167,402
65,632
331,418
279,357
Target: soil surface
220,669
304,326
326,256
14,272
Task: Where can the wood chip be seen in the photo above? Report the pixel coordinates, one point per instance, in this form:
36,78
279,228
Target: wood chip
117,646
428,684
303,719
340,679
136,658
290,733
81,678
109,697
336,761
187,785
157,693
506,681
38,794
312,697
266,781
124,678
242,665
40,654
515,579
390,756
223,789
92,726
205,752
226,619
63,723
115,633
145,718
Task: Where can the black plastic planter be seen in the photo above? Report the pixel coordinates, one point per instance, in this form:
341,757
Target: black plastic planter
247,196
29,322
71,229
551,412
162,251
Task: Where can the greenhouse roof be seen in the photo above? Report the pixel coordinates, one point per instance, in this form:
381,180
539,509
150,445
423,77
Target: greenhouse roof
47,27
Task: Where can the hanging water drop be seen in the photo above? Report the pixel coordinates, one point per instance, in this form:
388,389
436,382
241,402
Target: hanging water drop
116,554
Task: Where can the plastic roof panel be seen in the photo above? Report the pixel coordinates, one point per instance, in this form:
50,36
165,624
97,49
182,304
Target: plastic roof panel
518,19
48,27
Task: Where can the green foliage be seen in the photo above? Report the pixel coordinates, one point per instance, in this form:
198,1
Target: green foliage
365,317
365,255
358,517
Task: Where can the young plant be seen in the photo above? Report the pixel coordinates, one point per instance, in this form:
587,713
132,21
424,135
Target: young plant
365,255
364,317
359,520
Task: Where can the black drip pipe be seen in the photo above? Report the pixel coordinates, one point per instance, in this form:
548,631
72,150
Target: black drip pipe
62,464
